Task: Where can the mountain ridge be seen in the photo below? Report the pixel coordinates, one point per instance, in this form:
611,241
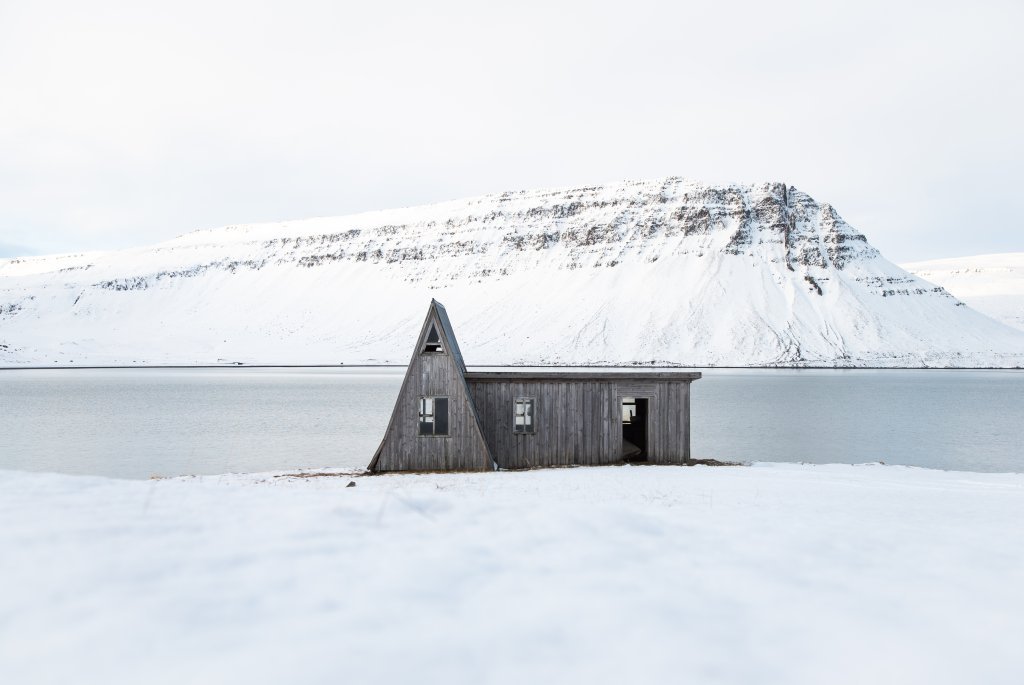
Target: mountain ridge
666,271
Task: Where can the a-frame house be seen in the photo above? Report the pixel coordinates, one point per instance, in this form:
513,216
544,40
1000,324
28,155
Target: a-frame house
434,426
450,419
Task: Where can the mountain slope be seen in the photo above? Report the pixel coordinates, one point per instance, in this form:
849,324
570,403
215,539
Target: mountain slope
663,272
993,284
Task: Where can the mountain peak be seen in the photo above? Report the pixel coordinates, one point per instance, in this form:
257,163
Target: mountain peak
665,271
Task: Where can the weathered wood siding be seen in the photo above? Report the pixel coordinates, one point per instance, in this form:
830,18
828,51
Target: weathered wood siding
577,416
579,421
403,448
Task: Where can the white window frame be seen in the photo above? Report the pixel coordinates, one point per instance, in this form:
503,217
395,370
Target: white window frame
427,345
420,414
529,417
625,402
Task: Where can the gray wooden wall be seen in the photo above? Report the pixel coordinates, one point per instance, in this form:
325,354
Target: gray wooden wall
580,421
404,449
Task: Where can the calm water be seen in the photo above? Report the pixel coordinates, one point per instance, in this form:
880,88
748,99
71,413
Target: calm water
138,423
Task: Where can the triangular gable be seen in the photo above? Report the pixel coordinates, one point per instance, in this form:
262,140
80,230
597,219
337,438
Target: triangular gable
434,373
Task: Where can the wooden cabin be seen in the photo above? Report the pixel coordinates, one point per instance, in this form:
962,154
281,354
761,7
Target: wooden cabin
450,419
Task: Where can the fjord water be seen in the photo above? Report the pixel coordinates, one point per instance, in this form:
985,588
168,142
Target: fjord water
137,423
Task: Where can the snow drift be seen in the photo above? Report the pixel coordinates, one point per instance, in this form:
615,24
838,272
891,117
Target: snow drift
651,272
780,573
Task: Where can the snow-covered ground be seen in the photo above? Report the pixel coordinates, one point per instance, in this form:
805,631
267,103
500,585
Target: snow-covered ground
992,283
776,573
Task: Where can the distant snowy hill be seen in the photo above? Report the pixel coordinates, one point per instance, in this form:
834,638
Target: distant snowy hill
649,272
993,283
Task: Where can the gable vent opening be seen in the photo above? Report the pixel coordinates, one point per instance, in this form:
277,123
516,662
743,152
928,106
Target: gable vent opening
433,343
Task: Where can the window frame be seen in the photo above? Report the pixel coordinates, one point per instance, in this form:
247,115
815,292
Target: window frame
624,402
531,428
427,345
433,416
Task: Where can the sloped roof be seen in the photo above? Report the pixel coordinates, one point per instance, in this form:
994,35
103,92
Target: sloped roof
449,334
580,375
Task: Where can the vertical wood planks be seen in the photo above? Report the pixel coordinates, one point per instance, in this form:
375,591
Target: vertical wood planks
433,374
579,421
577,417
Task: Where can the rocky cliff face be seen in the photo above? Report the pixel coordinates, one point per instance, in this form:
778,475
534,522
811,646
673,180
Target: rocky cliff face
652,272
568,229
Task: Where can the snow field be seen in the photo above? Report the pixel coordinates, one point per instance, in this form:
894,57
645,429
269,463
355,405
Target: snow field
993,284
665,271
773,573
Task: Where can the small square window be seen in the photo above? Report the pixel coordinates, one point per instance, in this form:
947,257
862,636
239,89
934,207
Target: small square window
628,409
523,415
433,416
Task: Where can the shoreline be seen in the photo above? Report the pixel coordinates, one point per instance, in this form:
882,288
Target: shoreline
630,367
328,472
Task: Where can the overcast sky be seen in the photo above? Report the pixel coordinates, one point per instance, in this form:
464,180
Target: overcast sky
123,124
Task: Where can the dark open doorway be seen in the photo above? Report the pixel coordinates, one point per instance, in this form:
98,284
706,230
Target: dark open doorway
634,429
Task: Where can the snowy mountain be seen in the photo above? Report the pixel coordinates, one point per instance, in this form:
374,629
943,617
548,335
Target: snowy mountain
649,272
993,283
